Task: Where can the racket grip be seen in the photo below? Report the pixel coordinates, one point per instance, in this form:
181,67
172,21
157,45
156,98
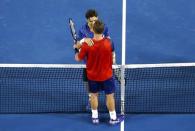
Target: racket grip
76,50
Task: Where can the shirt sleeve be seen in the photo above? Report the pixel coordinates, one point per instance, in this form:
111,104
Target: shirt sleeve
80,35
106,34
83,51
112,44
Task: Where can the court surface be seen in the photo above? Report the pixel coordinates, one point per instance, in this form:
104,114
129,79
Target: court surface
78,122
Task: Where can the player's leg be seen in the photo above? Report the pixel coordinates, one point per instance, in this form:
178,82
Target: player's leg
109,88
94,89
94,107
110,103
85,81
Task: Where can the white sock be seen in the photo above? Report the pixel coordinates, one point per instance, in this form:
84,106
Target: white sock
112,115
94,113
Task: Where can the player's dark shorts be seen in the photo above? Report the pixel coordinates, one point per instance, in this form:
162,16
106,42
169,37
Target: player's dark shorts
107,86
85,75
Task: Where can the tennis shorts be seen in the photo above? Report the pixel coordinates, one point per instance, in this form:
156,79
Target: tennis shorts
107,86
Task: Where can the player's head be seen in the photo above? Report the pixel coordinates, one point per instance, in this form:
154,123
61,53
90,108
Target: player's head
91,16
98,27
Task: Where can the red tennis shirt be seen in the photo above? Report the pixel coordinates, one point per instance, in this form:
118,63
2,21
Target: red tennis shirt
99,59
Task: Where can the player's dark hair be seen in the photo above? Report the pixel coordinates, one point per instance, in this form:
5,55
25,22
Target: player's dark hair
91,13
98,27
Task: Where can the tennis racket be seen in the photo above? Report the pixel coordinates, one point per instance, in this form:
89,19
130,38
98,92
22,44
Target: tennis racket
73,32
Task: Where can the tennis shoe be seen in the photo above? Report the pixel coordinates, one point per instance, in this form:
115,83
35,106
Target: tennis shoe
118,120
95,120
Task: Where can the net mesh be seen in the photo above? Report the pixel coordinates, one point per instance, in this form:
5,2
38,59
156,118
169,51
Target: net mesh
51,89
38,88
160,89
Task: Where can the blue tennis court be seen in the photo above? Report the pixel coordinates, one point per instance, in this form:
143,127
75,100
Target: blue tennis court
74,122
41,85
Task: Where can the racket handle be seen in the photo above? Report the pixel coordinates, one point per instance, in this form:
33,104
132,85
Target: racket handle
76,50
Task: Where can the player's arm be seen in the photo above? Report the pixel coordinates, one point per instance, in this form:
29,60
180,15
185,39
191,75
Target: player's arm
113,53
106,34
86,40
77,57
82,38
81,55
113,57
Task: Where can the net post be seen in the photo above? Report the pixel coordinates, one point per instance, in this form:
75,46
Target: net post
122,95
123,62
123,57
122,90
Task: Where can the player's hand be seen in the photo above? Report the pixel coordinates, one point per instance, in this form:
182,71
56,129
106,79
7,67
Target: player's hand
77,45
89,41
74,46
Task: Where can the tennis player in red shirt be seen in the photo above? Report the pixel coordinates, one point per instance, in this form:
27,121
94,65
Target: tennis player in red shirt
99,72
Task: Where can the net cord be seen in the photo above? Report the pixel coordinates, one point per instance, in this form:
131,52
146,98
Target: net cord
49,66
127,66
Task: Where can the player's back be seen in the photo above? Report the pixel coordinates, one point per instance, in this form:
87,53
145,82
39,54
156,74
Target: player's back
99,60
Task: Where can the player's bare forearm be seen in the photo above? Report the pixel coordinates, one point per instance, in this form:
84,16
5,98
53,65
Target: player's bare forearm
86,40
113,57
77,57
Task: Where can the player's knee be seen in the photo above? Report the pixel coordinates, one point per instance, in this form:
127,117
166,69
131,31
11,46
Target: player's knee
110,98
94,95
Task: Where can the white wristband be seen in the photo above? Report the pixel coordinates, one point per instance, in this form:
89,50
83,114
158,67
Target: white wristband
81,41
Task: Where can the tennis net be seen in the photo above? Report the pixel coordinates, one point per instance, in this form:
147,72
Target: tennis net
42,88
